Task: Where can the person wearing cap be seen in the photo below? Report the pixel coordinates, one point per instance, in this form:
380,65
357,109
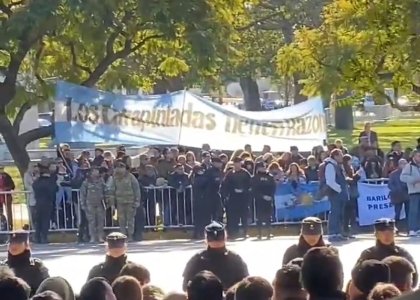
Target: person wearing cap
263,188
122,156
124,193
225,264
45,190
236,188
310,237
212,198
115,260
92,202
99,157
365,276
20,260
385,245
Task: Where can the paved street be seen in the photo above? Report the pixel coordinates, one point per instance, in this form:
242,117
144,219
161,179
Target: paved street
166,259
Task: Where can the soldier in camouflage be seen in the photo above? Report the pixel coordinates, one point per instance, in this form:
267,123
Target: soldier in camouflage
93,202
124,192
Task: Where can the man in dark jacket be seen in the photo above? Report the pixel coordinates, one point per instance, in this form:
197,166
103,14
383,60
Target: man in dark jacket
212,199
385,245
398,191
20,260
180,208
115,260
225,264
45,189
310,237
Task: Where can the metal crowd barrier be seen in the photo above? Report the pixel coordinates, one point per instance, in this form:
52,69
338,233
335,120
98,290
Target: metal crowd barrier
164,207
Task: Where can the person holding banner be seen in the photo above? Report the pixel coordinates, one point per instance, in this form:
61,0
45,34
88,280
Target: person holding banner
337,190
411,176
385,245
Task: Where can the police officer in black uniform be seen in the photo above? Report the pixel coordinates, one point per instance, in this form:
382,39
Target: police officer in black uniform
212,198
236,189
310,237
385,245
225,264
263,189
20,260
115,260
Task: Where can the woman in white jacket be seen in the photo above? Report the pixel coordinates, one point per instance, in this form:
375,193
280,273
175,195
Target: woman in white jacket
28,179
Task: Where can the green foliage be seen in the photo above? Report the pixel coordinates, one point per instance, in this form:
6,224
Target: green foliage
361,46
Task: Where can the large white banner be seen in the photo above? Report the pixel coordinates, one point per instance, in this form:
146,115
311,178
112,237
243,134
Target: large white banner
88,115
374,203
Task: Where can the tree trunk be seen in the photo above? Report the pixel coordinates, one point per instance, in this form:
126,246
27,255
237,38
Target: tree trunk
298,87
15,145
175,84
160,87
251,93
344,118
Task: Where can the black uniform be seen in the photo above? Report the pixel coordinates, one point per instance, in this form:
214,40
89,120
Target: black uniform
45,189
299,249
225,264
201,216
381,251
110,269
30,269
212,199
309,226
236,189
263,189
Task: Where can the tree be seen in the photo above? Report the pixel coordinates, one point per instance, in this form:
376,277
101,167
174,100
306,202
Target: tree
361,47
96,43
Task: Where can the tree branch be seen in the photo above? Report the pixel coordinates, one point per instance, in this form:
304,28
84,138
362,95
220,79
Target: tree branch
35,134
19,117
5,9
38,56
74,59
260,20
109,59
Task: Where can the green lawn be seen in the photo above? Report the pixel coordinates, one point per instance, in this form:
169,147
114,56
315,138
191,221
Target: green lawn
405,131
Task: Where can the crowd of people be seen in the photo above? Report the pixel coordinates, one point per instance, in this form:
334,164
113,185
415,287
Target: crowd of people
209,185
311,269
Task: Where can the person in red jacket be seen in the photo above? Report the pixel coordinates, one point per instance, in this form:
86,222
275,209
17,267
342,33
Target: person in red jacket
6,199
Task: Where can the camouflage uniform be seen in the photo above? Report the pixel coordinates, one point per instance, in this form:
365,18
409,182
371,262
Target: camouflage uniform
124,192
92,197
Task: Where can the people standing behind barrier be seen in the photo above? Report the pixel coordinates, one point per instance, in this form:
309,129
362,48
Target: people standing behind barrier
6,200
373,167
350,208
285,160
181,159
263,188
205,160
124,193
45,190
249,164
398,193
190,159
277,172
28,179
200,206
93,203
311,171
212,200
295,156
64,185
411,176
147,181
122,156
99,157
180,207
337,192
295,175
236,189
166,164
